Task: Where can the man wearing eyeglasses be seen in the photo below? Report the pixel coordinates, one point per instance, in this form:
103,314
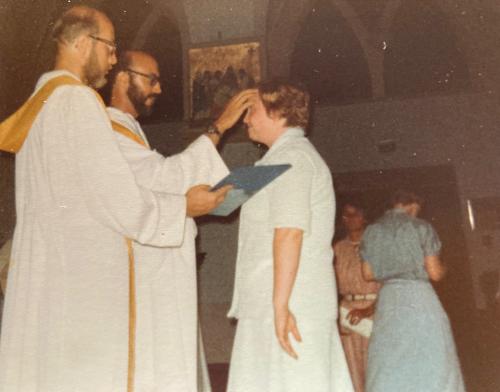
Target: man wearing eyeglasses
68,319
167,341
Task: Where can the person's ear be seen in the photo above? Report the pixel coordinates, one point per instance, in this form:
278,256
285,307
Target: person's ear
281,121
82,45
123,78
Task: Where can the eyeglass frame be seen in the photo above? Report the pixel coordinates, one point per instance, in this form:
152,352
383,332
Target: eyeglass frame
107,42
153,79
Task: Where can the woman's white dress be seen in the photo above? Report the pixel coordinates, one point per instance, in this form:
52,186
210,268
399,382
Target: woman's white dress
301,198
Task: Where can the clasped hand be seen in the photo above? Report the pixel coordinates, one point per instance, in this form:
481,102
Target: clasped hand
200,200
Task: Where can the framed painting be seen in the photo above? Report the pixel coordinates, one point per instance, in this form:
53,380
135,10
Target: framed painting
216,73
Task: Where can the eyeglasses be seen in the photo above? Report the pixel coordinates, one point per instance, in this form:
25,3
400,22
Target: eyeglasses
111,45
153,79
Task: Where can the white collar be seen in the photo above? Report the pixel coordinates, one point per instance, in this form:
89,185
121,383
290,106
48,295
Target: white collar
122,117
289,134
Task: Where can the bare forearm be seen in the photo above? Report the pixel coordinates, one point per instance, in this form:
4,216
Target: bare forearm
286,247
232,112
367,271
435,268
214,138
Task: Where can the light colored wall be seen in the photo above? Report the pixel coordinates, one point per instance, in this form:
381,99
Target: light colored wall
212,20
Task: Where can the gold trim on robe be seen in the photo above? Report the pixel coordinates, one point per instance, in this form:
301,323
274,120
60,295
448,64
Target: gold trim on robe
132,317
14,130
117,127
127,132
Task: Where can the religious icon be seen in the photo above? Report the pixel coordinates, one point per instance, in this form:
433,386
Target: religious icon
219,72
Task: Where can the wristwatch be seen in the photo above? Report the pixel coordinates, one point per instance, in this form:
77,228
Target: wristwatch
213,130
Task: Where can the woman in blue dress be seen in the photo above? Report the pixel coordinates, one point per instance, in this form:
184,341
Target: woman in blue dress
411,347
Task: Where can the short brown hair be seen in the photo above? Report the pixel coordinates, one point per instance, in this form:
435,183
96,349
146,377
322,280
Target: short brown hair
74,22
406,198
287,100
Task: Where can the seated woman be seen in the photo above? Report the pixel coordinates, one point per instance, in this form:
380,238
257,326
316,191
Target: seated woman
285,295
411,346
357,295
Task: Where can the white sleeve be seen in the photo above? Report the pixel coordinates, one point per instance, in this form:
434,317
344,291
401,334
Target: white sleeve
199,163
107,184
290,194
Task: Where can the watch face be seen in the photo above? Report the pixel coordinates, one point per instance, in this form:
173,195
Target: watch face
212,130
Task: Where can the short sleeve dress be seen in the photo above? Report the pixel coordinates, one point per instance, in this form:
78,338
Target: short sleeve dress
303,198
411,347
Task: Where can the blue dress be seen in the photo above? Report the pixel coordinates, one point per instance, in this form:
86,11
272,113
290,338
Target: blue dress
411,347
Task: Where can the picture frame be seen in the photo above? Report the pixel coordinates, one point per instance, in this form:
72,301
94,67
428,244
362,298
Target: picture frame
218,72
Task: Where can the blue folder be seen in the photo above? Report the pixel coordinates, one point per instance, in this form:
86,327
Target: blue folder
247,181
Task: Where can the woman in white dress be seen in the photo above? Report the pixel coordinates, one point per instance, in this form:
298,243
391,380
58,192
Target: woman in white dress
285,293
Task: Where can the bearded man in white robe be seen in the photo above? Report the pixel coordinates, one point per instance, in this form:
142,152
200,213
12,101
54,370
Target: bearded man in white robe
168,350
66,323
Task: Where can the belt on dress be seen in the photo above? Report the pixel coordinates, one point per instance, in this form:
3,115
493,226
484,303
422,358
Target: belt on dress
360,297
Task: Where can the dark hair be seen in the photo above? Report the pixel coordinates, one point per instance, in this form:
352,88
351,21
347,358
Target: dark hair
123,62
356,205
74,22
405,198
287,100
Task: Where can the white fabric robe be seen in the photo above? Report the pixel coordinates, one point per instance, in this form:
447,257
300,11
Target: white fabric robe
65,325
167,314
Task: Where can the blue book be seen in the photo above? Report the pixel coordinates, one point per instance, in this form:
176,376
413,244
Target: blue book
247,181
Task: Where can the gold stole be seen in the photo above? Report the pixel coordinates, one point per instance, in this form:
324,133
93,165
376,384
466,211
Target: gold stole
14,131
132,320
117,127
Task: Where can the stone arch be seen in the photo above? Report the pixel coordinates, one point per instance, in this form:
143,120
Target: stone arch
174,11
171,9
370,47
135,22
284,21
329,58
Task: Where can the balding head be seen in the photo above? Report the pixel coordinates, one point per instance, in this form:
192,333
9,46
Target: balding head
77,21
85,44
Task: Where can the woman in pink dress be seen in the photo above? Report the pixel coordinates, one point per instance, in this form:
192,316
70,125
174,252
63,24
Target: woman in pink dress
356,294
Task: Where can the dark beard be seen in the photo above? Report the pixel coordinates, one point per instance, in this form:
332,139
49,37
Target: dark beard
138,99
92,73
